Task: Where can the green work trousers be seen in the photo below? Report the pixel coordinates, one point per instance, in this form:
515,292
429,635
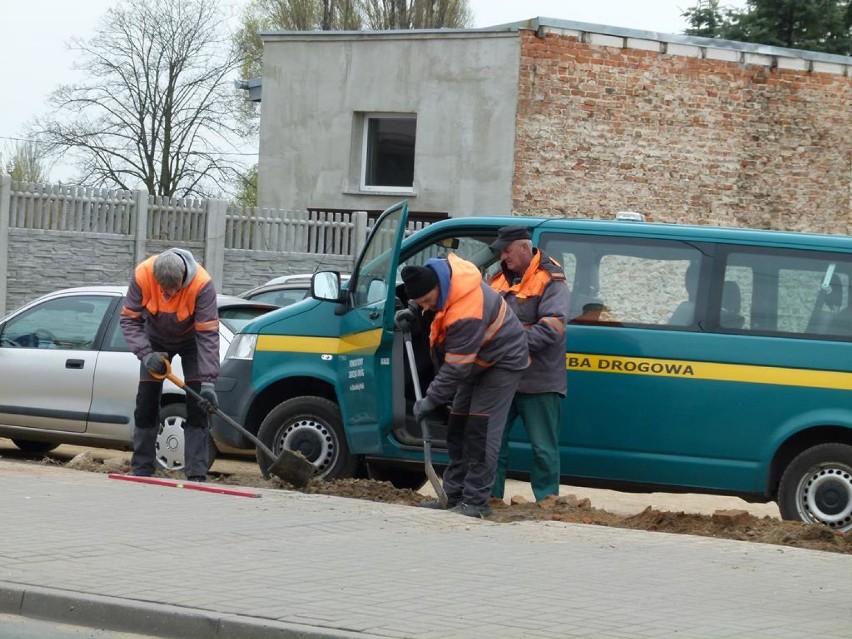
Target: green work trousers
541,414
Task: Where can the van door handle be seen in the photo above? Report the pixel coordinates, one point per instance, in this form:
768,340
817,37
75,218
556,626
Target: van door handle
373,315
74,363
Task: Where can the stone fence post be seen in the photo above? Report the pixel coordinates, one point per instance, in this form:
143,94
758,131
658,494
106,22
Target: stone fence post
140,251
214,241
360,219
5,206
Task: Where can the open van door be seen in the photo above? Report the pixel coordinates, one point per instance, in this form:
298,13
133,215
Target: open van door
367,322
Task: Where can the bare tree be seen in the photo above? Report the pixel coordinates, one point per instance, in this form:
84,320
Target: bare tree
154,107
417,14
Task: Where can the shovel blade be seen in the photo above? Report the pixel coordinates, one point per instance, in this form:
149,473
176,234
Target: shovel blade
293,468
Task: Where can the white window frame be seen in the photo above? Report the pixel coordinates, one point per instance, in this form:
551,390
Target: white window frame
374,188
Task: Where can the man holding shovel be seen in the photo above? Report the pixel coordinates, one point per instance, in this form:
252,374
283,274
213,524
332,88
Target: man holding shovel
533,285
480,349
170,309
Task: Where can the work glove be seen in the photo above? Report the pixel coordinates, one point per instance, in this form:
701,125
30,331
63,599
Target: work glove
423,406
403,318
208,402
155,362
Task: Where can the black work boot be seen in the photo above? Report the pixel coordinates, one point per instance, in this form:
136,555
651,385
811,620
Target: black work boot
452,502
471,510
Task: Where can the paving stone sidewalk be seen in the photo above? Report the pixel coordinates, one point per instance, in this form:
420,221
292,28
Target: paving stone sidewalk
168,562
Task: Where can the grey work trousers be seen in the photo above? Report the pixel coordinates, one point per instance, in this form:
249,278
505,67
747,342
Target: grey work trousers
196,433
475,433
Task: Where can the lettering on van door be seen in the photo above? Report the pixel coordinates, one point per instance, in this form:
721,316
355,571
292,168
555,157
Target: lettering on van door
356,372
666,368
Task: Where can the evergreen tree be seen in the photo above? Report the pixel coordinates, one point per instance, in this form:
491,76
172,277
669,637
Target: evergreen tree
815,25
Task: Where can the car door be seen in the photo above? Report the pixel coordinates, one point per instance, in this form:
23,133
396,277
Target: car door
366,330
115,384
48,354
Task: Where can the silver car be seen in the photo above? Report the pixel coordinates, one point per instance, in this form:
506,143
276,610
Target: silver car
68,377
283,290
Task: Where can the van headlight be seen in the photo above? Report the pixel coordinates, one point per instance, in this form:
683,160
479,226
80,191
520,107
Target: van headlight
242,347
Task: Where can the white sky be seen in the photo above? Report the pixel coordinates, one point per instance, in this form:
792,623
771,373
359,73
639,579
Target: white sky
34,58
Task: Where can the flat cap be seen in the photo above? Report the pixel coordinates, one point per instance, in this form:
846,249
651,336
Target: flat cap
508,234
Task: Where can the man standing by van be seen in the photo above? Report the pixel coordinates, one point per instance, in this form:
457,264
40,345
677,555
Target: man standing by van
480,350
171,309
533,285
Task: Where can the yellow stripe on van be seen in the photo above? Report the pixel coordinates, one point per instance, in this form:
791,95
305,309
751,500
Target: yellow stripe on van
332,345
709,371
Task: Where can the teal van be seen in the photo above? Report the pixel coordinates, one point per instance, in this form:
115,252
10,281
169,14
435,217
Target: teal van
698,359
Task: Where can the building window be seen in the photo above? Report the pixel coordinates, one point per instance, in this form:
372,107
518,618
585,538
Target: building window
388,152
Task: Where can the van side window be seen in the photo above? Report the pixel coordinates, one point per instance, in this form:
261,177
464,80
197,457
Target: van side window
788,292
628,281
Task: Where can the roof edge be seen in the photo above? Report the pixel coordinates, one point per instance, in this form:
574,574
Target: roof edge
510,29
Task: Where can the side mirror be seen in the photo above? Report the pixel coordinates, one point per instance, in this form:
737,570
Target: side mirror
325,285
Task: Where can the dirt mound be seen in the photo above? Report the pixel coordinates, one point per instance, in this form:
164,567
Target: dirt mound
735,524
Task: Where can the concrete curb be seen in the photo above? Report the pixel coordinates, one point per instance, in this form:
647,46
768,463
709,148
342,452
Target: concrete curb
156,619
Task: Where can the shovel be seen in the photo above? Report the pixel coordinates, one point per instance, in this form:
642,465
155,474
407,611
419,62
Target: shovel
405,325
290,466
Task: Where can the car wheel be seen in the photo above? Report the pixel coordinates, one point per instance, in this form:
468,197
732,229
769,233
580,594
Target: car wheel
817,487
311,426
169,449
404,478
29,446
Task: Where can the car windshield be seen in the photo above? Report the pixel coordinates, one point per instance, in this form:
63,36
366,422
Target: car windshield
235,317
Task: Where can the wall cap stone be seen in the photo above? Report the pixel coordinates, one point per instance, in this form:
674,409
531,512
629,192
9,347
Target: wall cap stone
688,46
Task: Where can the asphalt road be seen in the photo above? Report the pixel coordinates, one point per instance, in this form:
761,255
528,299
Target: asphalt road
17,627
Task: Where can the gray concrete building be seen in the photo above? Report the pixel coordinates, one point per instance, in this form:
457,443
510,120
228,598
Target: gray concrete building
338,106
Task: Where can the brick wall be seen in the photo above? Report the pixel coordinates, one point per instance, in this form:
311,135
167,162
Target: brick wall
739,140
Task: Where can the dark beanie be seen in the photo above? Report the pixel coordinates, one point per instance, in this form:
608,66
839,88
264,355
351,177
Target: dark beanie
418,280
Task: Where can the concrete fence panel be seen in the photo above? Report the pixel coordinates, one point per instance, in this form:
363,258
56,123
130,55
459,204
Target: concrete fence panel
55,237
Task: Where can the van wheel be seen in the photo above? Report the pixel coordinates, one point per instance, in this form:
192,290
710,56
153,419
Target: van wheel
817,487
169,447
30,446
313,427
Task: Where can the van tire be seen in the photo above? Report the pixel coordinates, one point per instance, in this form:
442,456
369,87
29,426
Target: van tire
817,487
313,427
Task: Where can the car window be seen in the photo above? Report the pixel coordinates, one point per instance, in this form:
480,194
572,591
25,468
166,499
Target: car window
64,323
235,317
281,296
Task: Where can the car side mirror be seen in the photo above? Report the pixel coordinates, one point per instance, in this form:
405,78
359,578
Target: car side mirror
325,285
